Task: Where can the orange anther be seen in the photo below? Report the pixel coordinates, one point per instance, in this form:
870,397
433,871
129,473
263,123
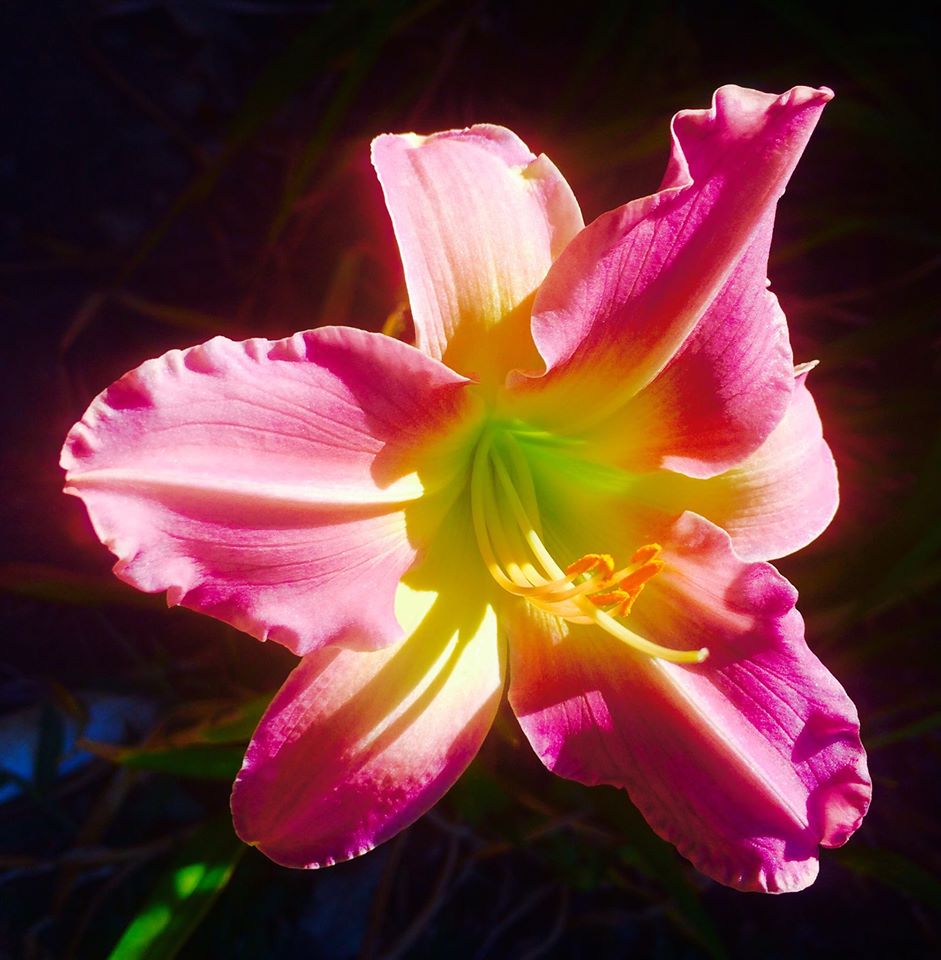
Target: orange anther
624,607
592,561
647,552
609,599
633,581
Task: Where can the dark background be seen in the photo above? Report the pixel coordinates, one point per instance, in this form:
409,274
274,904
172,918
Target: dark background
181,168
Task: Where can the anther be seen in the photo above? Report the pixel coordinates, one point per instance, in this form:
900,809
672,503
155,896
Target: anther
610,599
602,562
649,551
637,578
626,605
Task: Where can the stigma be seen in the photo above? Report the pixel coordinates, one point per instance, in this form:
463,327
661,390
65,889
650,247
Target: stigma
590,589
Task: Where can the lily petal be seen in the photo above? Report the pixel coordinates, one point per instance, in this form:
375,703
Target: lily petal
685,267
746,762
776,501
357,745
269,484
479,219
720,396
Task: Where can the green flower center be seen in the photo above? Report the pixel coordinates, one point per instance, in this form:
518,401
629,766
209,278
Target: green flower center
589,589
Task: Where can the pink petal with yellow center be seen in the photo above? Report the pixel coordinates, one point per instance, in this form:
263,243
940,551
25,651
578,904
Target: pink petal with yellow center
357,745
273,485
775,501
479,219
720,395
679,276
747,762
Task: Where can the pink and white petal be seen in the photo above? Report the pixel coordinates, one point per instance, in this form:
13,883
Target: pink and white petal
747,762
357,745
479,219
283,487
720,396
776,501
634,286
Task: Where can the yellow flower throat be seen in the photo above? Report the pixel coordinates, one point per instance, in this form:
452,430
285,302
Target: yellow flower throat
590,589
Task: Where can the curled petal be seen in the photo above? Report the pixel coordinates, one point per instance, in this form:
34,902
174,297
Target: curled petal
274,485
747,762
721,394
680,274
357,745
775,501
478,219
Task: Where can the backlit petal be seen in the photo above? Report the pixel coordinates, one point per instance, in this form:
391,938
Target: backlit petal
721,394
746,762
776,501
680,275
271,484
478,219
357,745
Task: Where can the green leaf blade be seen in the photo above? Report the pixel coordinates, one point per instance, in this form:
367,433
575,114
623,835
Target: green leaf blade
182,895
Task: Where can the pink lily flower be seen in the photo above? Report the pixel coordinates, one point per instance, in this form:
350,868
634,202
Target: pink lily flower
568,490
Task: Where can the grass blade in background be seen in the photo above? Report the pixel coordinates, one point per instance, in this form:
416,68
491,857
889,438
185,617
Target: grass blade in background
183,894
209,748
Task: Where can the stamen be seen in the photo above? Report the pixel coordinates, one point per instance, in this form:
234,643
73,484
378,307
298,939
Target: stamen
592,561
635,580
645,646
526,526
519,579
609,599
518,560
626,605
527,490
479,514
650,551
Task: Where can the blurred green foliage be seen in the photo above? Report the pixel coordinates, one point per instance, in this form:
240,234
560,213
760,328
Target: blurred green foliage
182,895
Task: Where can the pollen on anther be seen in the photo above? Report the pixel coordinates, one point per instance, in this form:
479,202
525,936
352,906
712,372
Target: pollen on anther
610,599
637,578
647,552
626,605
602,562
